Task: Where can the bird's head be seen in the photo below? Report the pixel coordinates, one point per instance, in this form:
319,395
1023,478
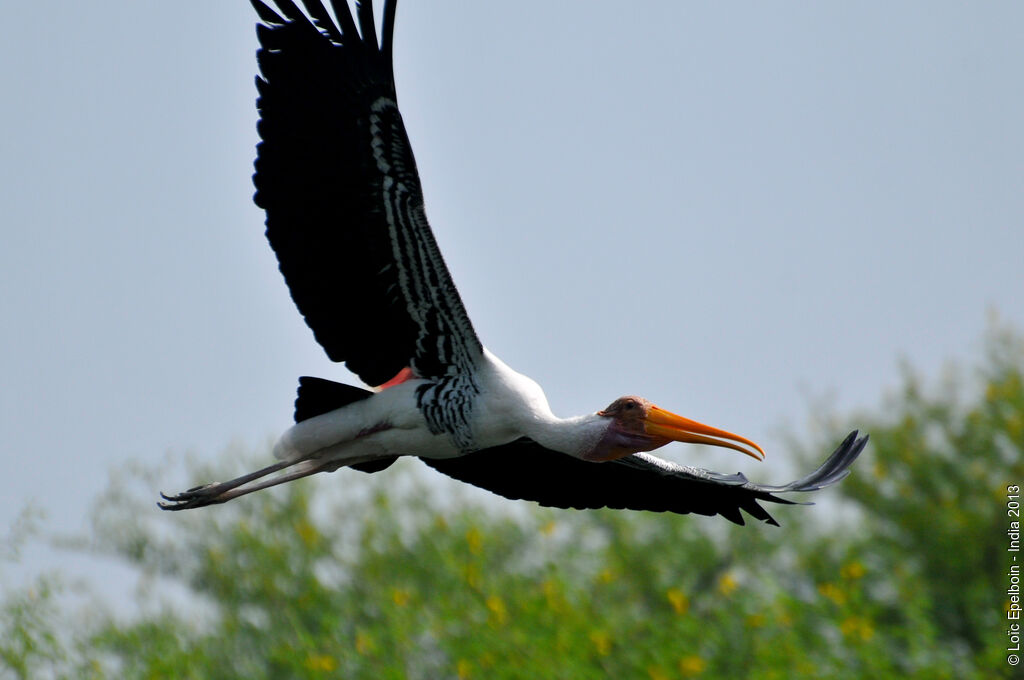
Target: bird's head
638,425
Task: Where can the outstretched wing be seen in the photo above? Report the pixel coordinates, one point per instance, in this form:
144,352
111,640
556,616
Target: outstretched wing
336,176
526,470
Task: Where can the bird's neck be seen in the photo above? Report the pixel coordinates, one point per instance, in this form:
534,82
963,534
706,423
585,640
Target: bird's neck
532,416
578,436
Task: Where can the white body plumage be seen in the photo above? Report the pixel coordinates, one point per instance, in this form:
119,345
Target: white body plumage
509,406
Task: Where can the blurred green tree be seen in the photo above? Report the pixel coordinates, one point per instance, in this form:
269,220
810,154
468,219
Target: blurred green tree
422,581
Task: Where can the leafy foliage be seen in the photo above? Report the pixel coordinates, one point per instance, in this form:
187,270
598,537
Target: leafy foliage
936,496
343,579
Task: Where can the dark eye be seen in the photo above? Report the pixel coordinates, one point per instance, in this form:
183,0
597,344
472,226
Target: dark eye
630,405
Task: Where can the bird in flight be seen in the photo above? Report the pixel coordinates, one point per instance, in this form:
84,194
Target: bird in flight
345,216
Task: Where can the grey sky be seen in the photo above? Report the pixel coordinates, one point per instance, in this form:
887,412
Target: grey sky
724,207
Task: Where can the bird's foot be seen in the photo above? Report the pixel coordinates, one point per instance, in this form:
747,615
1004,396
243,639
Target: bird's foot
210,494
196,497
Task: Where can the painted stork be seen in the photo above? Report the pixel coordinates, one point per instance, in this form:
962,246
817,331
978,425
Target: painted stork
336,176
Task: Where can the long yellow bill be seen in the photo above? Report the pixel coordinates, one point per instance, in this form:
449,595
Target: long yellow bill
663,423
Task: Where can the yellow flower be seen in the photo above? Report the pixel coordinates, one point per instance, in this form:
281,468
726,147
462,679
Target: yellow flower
727,584
692,665
364,643
656,673
463,668
755,621
1015,426
605,576
832,592
472,574
307,532
677,598
602,641
321,662
852,571
400,596
475,540
848,626
497,608
857,627
553,595
549,527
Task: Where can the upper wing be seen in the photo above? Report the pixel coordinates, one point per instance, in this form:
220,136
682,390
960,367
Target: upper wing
525,469
336,176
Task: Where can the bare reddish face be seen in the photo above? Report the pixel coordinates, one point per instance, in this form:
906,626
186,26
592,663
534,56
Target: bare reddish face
639,425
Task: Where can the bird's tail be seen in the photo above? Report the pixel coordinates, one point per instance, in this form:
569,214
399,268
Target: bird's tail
317,396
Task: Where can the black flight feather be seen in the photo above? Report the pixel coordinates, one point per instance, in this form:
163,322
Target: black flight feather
526,470
337,178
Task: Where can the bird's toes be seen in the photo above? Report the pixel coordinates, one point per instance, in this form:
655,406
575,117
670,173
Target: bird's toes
193,494
175,505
